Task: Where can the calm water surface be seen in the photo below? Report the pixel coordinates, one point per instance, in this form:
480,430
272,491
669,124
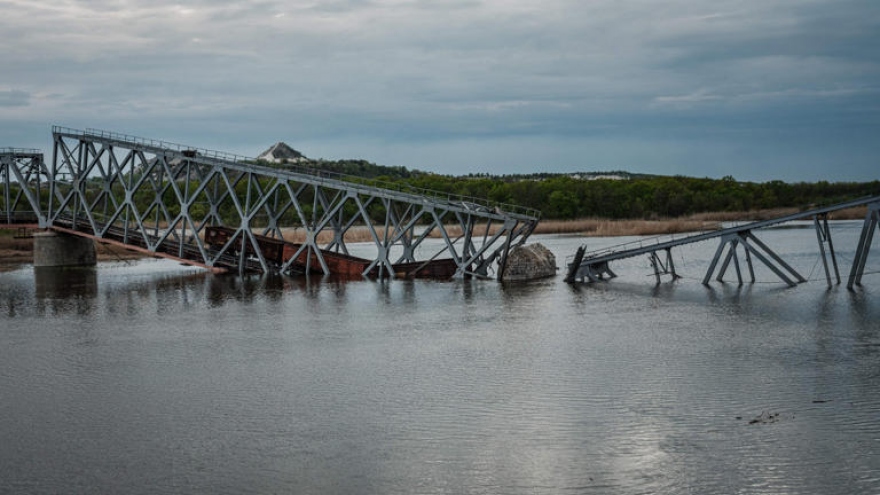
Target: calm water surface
156,378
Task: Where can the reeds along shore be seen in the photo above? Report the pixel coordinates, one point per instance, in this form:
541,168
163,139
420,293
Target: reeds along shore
12,249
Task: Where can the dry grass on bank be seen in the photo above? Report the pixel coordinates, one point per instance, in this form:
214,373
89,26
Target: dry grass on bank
13,249
700,222
354,234
599,227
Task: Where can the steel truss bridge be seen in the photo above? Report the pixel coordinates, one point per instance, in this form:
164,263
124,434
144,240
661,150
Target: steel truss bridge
594,266
224,212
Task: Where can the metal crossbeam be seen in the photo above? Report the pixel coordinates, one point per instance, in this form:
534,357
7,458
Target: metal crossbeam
163,197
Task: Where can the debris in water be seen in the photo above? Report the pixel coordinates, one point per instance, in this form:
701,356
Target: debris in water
765,418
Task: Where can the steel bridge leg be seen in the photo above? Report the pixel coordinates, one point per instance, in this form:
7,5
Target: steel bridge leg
670,265
661,268
746,239
774,256
823,234
724,242
655,263
768,263
731,255
872,221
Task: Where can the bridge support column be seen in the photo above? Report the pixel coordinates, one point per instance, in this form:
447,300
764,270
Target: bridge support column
663,268
55,249
768,257
823,233
872,222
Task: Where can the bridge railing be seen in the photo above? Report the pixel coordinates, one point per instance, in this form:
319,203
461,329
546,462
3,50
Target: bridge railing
21,151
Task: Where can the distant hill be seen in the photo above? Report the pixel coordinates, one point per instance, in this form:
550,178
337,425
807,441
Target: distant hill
280,152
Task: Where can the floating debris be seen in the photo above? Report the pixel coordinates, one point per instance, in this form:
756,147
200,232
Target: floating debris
765,418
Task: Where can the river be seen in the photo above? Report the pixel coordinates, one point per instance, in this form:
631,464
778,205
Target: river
152,377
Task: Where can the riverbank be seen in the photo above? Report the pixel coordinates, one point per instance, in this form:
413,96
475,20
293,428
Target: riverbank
603,227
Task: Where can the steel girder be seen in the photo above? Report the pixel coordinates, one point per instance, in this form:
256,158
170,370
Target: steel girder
872,223
24,176
161,197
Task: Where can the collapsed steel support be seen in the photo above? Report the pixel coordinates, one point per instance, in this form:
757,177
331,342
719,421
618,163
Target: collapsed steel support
872,222
23,178
162,197
594,266
662,267
753,247
823,234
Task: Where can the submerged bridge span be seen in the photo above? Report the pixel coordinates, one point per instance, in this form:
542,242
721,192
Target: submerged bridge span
226,212
595,266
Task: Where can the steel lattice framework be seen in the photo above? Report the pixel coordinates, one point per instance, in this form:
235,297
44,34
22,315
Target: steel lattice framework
25,178
595,266
161,197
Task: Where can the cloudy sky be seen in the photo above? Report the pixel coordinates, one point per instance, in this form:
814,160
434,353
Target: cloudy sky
756,89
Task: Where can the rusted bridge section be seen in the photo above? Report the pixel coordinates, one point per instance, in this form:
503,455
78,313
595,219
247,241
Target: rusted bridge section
226,212
595,266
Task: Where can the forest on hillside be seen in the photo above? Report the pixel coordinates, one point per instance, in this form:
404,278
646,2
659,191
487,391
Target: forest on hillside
627,196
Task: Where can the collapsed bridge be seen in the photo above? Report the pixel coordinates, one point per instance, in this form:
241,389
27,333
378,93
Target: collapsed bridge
226,212
594,266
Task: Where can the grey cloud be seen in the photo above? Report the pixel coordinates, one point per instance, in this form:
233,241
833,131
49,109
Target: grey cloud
14,98
422,72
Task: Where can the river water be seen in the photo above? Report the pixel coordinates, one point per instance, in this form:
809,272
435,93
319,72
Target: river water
151,377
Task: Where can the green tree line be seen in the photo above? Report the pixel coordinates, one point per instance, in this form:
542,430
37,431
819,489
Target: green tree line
630,196
563,197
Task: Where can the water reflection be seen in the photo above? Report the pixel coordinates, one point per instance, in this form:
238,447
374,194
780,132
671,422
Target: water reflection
65,283
66,290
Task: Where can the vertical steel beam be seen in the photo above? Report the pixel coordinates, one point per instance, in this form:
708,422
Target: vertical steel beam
872,222
823,234
725,240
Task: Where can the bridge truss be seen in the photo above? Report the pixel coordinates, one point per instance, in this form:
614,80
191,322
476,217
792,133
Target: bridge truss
164,198
24,178
736,242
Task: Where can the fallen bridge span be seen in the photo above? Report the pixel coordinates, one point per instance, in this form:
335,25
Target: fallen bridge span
596,265
164,198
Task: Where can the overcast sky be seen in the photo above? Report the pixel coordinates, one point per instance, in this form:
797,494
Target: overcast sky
756,89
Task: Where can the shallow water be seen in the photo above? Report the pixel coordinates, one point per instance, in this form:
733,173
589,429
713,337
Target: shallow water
151,377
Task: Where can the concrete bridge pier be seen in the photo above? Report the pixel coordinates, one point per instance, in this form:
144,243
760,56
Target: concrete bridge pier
56,249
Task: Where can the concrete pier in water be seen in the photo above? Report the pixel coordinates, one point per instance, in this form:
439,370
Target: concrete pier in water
55,249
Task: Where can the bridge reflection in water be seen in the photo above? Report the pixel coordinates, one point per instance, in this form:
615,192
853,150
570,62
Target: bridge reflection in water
225,212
